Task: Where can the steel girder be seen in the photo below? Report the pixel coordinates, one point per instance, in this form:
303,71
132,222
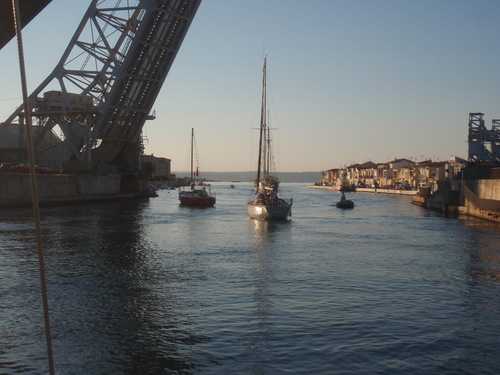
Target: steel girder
110,75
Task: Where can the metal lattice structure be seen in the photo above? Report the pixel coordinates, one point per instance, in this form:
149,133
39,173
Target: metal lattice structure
108,80
484,144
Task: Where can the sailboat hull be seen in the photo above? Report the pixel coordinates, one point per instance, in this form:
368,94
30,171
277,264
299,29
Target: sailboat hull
269,212
197,202
196,198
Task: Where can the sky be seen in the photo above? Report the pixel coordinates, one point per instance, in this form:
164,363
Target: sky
349,81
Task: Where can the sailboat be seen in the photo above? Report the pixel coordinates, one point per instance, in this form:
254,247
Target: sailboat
266,203
198,195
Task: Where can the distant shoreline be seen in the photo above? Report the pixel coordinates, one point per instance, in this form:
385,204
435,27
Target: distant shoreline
309,177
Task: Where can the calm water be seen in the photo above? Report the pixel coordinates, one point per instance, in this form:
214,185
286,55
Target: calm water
150,287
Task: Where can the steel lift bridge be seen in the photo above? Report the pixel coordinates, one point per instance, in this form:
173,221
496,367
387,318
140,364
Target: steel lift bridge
103,88
484,144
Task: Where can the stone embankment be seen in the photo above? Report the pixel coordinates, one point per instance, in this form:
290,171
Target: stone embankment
372,190
386,191
478,198
15,188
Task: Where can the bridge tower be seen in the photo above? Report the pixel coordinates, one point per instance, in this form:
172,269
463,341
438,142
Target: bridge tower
105,83
484,144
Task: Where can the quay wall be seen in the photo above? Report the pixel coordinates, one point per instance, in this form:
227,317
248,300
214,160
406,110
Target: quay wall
478,198
15,188
371,190
386,191
485,189
482,199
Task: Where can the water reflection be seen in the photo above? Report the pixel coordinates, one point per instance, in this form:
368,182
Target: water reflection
151,288
111,306
263,230
484,254
259,342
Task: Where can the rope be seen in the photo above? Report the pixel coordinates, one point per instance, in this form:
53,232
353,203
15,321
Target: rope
34,190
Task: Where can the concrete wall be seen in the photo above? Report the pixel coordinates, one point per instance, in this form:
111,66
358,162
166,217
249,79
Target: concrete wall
484,189
488,189
482,201
386,191
15,188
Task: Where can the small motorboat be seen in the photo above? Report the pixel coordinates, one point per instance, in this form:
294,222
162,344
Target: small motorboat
344,202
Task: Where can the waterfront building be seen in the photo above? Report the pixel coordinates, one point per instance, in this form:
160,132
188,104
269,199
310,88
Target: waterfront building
430,174
361,174
454,167
157,168
390,176
396,174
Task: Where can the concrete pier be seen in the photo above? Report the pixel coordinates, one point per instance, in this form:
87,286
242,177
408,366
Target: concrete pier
478,198
15,189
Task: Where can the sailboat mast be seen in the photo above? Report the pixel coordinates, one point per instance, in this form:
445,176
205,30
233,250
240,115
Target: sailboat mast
262,123
268,147
192,144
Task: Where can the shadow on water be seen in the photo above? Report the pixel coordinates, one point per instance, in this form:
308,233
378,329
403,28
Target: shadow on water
106,294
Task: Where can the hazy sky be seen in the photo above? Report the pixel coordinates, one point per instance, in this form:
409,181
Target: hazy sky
348,80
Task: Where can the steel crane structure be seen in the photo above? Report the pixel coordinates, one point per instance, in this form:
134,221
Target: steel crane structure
484,144
91,109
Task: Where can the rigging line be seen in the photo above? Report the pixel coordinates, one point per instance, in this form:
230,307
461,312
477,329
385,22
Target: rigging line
34,190
199,166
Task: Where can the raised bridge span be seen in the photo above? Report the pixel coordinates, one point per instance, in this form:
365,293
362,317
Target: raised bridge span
108,79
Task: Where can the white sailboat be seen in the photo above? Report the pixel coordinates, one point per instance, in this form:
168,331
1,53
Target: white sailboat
266,203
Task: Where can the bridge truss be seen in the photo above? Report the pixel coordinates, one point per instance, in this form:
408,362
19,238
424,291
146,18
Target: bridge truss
106,84
484,144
